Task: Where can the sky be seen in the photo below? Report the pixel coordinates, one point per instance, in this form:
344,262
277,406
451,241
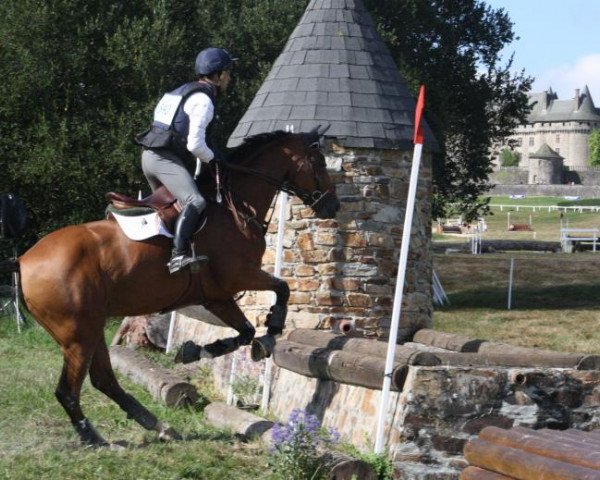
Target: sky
559,43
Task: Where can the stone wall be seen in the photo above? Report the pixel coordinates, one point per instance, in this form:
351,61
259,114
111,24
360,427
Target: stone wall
346,268
521,176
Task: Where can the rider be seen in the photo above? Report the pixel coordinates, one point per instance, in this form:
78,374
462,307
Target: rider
179,133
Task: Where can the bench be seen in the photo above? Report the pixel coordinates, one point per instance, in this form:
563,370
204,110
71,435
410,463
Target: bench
570,237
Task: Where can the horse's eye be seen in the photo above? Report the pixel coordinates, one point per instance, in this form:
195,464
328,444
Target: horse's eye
315,145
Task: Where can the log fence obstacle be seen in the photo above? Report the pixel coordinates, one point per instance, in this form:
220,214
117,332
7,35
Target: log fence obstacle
329,356
522,453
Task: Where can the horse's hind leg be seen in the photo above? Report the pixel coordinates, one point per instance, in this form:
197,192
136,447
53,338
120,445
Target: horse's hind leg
230,313
103,378
75,366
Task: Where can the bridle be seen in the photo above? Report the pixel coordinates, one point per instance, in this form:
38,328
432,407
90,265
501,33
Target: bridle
309,198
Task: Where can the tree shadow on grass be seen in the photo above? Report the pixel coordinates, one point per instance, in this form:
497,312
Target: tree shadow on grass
558,297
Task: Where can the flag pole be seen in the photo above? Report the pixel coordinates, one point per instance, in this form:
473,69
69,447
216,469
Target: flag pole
408,218
283,200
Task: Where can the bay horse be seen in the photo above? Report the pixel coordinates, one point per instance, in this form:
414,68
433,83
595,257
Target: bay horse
74,278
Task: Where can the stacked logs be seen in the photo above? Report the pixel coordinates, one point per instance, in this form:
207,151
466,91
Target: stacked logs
361,361
523,453
355,361
464,351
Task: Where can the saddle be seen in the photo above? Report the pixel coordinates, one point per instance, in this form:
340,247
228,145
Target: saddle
161,201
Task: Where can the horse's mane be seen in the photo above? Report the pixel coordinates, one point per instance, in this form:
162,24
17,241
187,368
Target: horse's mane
252,143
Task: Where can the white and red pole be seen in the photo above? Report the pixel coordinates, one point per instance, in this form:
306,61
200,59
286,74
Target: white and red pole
410,206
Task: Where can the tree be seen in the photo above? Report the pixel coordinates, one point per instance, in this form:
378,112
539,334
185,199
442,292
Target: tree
594,146
509,158
81,77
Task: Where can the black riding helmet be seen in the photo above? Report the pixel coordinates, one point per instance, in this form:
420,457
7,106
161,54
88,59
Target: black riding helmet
211,60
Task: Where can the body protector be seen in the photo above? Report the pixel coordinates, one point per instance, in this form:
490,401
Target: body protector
170,125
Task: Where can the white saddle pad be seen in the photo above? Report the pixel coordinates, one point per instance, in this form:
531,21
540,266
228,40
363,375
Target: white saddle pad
141,227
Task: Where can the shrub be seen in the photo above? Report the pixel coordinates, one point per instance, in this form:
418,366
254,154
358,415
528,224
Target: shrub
294,452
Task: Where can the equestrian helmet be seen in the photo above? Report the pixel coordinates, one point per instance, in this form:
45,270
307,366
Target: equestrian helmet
211,60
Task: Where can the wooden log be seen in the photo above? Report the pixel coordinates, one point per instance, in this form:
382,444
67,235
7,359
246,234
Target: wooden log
362,346
557,437
528,359
576,454
163,384
447,341
243,423
476,473
523,465
533,356
361,370
344,467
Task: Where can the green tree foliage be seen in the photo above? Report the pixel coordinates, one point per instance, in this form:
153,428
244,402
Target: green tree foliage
81,77
594,146
509,158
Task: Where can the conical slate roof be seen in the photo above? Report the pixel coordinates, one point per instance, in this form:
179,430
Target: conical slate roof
335,69
545,152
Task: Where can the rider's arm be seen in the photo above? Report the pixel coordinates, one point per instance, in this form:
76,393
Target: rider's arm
200,110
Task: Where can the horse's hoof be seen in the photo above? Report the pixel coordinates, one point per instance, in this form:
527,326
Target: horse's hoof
167,434
189,352
262,347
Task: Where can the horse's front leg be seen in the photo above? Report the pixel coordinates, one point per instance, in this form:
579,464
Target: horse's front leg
262,347
229,312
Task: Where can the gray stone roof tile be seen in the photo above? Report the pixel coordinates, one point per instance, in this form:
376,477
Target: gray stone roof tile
335,69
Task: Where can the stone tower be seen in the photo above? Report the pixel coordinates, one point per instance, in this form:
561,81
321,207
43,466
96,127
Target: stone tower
335,69
545,166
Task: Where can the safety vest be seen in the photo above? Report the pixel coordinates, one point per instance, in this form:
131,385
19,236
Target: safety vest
171,125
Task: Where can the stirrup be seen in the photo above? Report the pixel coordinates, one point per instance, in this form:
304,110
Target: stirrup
182,261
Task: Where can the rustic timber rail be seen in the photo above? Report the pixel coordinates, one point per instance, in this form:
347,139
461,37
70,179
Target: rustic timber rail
524,453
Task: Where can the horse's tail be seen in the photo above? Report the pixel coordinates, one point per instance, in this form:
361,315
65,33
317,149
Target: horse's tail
9,266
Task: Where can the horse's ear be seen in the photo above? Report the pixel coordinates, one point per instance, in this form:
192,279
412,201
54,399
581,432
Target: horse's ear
316,133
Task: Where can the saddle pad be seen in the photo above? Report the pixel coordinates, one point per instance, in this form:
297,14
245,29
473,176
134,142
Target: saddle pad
141,227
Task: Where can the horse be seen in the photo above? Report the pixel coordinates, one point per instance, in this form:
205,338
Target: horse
77,276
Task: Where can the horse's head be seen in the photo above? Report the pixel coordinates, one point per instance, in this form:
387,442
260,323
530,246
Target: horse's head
308,177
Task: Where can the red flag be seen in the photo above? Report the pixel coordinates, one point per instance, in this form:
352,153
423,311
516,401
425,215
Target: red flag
418,114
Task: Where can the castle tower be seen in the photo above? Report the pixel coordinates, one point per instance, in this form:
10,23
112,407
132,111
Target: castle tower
335,69
545,166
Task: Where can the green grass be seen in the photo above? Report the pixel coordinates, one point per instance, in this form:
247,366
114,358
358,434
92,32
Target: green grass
555,301
37,440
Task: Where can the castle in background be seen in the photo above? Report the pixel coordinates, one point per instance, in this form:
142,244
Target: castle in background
555,136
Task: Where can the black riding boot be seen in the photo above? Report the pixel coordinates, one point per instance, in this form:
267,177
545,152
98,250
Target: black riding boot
184,229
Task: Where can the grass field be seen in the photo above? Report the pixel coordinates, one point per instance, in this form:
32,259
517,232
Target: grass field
38,442
556,300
